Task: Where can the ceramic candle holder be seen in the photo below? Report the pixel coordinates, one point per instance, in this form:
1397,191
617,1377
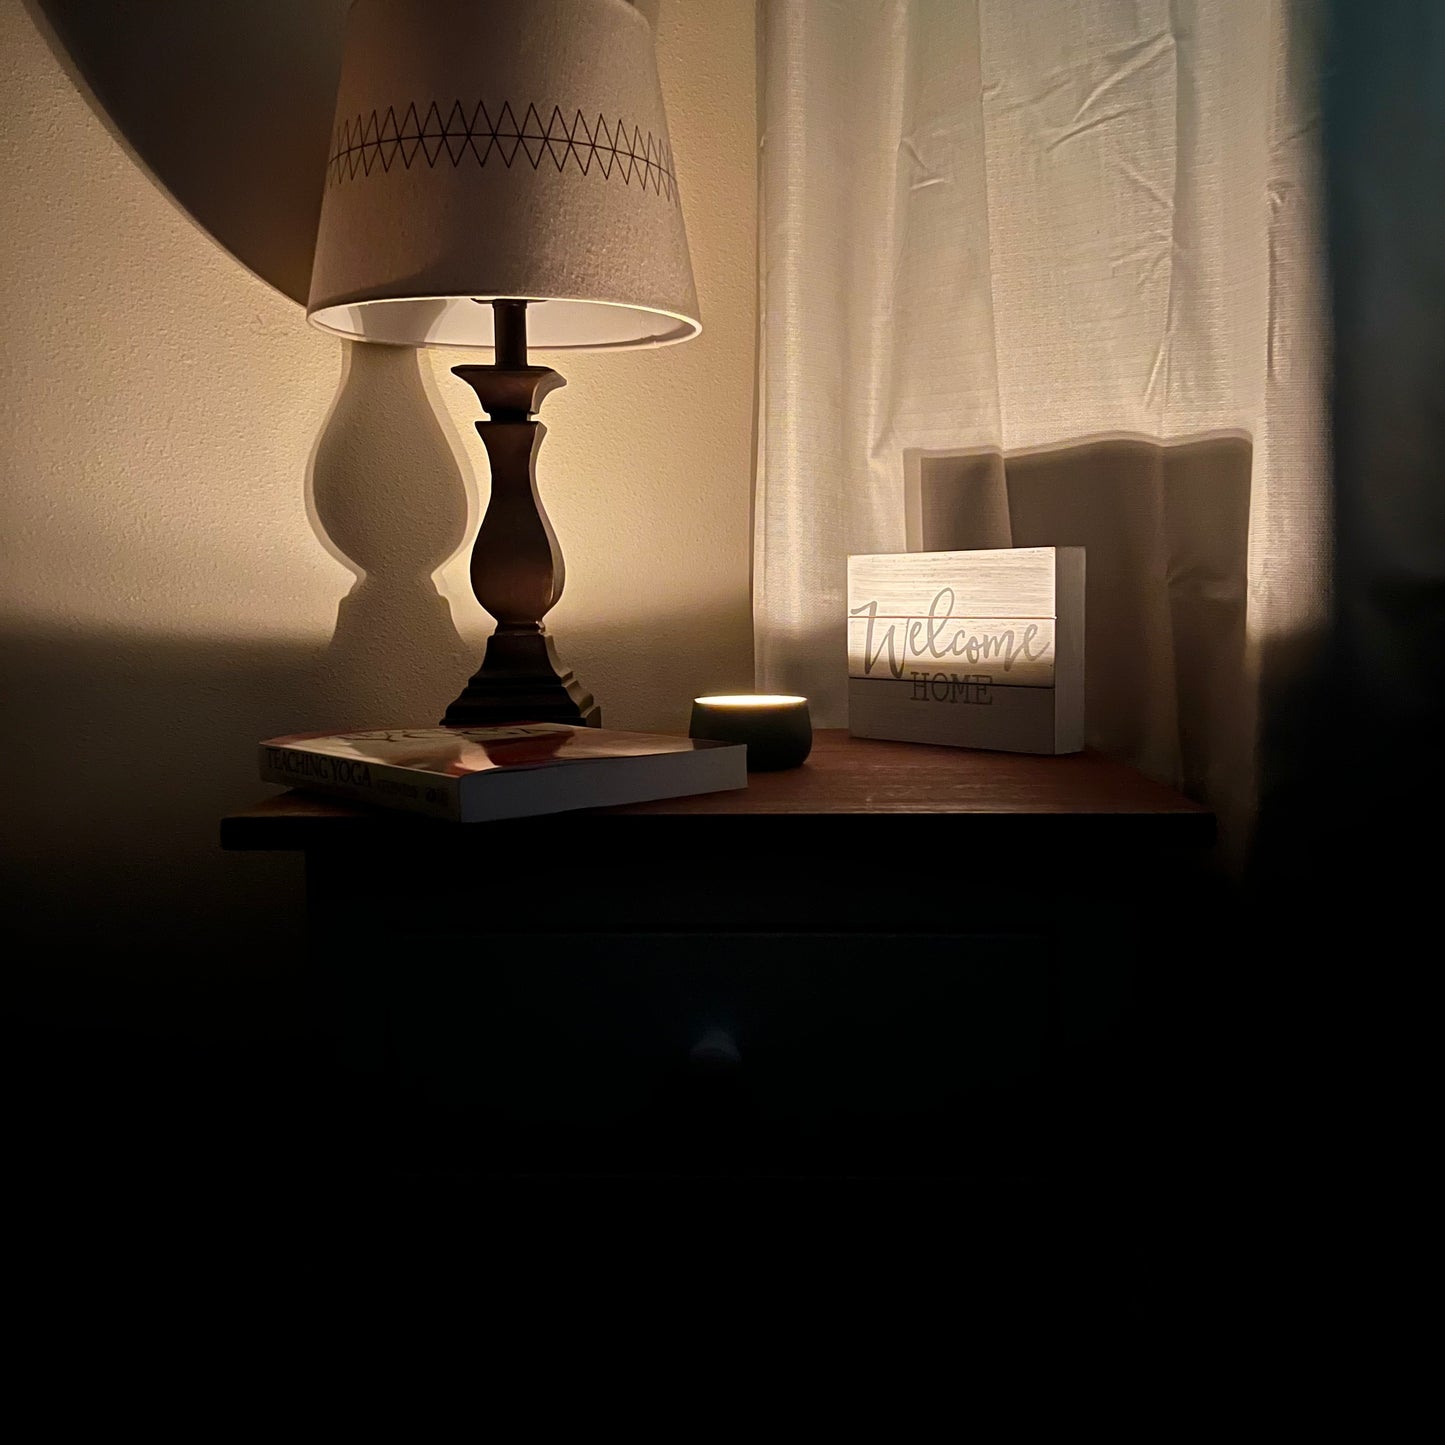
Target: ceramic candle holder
778,730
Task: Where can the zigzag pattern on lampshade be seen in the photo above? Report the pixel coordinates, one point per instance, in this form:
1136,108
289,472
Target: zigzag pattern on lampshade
379,142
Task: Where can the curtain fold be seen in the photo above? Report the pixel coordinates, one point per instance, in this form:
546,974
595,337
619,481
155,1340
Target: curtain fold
1046,271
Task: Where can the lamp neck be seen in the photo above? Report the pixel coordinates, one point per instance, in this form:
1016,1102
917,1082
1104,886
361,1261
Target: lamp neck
510,334
510,390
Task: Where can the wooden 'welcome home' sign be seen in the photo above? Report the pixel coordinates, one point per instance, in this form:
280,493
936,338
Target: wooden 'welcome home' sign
973,649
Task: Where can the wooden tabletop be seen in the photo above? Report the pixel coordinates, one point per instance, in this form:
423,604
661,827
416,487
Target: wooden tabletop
848,784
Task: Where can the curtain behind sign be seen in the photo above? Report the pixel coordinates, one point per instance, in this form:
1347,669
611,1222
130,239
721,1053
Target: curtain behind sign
1045,272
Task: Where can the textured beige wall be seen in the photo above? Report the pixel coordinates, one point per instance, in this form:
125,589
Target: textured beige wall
172,571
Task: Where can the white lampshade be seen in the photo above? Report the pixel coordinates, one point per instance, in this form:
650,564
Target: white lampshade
489,149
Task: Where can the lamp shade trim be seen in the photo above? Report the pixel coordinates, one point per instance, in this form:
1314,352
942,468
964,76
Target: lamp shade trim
643,328
381,141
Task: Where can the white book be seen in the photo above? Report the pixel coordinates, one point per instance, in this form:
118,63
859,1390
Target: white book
474,775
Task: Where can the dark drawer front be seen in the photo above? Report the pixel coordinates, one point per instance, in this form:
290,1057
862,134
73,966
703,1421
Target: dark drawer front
715,1051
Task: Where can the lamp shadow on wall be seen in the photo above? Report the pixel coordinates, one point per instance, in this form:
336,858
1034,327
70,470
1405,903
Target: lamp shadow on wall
390,495
248,165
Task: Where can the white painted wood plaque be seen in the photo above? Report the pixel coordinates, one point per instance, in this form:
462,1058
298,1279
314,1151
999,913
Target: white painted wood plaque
971,649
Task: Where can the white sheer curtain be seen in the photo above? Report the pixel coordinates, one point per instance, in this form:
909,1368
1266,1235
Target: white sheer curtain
1044,271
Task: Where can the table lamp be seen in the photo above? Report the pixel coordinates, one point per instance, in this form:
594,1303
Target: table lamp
498,169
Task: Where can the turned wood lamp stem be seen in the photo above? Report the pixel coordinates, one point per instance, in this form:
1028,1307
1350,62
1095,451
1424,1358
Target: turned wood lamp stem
517,568
510,333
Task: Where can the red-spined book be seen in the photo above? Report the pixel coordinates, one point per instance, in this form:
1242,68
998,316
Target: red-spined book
473,775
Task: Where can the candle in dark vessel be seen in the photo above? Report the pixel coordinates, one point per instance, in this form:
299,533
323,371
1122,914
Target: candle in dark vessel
777,729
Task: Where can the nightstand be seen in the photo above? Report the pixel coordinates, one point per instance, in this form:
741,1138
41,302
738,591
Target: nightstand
895,958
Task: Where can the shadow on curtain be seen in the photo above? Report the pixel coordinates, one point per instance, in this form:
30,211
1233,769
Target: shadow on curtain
1166,530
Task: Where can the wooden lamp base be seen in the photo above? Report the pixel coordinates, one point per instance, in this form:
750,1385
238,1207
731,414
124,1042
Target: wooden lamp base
521,680
517,567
